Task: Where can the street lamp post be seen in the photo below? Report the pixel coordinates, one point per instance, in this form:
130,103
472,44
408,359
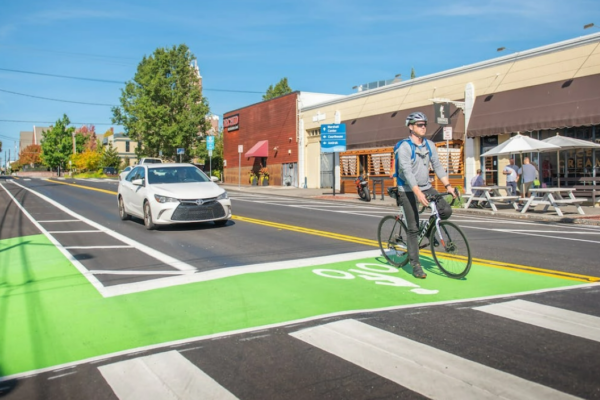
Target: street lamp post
590,25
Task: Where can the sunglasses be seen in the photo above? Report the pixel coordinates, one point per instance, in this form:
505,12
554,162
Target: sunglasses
421,125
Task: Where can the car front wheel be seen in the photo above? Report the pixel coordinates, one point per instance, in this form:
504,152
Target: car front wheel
122,213
148,217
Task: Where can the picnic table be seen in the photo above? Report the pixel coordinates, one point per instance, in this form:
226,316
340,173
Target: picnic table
553,197
492,195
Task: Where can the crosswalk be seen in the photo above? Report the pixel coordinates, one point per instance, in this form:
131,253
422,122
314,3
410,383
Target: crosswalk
405,363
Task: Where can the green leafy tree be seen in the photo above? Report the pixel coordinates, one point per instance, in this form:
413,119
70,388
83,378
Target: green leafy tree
110,157
162,107
412,73
57,144
279,90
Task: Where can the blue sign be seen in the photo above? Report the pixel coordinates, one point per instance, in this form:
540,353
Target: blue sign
210,143
180,150
333,138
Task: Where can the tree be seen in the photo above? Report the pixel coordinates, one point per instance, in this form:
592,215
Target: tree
89,160
110,157
412,73
31,155
279,90
162,107
85,138
57,144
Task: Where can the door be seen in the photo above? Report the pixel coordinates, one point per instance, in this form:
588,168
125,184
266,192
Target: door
489,164
289,174
327,168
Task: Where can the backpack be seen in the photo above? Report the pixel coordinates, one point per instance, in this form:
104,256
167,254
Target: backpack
412,157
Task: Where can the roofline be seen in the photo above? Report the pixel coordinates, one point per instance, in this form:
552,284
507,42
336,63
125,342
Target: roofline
262,101
522,55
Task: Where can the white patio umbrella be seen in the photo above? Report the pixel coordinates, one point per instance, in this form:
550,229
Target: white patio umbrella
519,144
567,143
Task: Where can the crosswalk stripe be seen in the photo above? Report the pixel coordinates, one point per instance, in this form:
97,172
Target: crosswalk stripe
423,369
162,376
556,319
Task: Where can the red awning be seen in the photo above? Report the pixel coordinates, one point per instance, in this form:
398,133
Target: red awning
260,149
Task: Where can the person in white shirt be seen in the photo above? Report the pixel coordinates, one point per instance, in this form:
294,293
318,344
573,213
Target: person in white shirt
511,177
478,181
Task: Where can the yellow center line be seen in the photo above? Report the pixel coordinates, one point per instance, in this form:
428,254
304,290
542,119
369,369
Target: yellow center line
374,243
83,187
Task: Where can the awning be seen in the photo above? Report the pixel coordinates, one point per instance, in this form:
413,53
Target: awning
573,102
260,149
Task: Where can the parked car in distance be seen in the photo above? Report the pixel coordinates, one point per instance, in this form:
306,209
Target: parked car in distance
164,194
150,160
109,171
125,171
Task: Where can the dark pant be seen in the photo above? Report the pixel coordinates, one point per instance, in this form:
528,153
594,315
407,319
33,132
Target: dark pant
410,204
512,188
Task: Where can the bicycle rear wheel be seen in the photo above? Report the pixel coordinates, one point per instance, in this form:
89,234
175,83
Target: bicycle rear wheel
451,250
392,236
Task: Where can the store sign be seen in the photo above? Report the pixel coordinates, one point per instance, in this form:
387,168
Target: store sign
442,113
232,123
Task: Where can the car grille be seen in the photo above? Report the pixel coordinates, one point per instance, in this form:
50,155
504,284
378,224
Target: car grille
189,210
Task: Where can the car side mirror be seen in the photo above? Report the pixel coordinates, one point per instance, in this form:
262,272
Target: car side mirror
138,182
214,179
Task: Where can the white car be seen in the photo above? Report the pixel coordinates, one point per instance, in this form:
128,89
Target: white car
164,194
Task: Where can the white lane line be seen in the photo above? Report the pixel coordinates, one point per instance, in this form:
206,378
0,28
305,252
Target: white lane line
99,247
162,376
556,319
85,231
531,234
89,276
426,370
123,272
60,220
164,258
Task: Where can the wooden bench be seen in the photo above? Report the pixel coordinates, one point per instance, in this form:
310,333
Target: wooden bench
589,187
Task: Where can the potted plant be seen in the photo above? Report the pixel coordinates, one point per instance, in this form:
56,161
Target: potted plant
253,178
264,177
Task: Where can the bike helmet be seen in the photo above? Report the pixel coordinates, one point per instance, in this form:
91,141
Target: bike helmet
415,117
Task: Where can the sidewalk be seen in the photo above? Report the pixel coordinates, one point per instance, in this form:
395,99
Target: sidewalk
591,217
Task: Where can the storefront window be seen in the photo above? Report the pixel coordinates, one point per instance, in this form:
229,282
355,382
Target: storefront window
490,163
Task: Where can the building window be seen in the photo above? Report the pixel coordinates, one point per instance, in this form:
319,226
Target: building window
314,132
127,146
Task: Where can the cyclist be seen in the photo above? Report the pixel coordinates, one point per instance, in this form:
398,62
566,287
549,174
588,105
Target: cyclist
412,157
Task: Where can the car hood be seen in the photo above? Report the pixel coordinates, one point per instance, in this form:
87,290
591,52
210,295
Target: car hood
189,190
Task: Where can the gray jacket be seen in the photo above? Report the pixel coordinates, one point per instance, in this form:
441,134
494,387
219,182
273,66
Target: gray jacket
416,172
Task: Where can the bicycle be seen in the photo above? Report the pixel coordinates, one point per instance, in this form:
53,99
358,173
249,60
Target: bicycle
449,245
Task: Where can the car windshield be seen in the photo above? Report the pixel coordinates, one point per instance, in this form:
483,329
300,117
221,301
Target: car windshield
176,175
152,161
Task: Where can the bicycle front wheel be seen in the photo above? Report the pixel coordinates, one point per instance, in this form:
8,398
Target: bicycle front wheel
450,249
392,236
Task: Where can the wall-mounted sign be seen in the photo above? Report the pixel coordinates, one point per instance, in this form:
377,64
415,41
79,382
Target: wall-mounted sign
232,123
333,138
442,113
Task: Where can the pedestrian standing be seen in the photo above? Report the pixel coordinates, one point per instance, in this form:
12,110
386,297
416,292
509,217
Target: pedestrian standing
478,181
528,174
511,172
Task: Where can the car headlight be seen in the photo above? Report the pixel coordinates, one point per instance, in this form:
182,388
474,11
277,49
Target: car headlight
165,199
223,196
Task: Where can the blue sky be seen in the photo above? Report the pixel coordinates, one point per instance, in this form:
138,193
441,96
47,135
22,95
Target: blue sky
325,46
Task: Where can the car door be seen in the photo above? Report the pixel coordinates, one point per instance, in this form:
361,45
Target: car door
139,192
129,191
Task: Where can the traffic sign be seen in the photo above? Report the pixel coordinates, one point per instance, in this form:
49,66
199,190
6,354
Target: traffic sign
180,150
333,138
210,143
210,153
447,133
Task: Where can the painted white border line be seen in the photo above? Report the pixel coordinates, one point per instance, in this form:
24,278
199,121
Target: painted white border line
164,258
279,325
129,288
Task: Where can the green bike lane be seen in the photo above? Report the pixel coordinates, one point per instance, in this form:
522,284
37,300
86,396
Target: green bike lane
51,316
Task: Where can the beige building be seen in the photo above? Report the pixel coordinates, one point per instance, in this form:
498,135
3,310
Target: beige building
124,146
539,92
33,137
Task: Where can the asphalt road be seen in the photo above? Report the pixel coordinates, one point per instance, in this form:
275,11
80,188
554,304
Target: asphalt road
326,355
